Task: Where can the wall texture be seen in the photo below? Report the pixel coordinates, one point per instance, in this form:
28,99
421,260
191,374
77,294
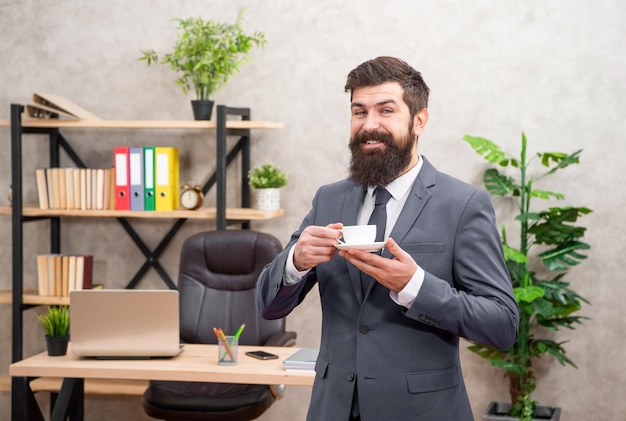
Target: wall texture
552,69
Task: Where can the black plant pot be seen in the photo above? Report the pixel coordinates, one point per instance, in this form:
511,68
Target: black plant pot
202,109
496,411
57,345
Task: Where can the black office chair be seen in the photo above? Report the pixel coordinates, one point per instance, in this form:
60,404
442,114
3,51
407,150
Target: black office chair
218,273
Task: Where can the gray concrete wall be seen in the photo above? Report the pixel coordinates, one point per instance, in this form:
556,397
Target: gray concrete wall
553,69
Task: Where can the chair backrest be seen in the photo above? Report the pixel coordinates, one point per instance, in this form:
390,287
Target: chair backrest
217,278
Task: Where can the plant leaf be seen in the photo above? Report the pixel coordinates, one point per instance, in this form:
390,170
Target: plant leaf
555,349
543,307
486,351
562,160
488,150
498,184
514,254
545,195
561,257
558,322
555,226
528,294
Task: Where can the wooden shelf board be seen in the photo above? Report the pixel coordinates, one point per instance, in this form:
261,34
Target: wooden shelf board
143,124
92,386
30,297
238,214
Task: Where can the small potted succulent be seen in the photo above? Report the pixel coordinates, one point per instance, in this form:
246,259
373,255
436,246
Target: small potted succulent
56,323
267,180
205,55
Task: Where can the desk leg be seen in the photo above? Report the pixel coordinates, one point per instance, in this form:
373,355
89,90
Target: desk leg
23,403
70,401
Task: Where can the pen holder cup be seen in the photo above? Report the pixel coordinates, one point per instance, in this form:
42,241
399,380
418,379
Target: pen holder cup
227,351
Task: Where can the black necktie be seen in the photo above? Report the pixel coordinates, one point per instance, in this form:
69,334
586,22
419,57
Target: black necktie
379,216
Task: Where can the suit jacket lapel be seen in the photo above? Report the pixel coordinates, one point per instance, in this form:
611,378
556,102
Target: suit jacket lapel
415,202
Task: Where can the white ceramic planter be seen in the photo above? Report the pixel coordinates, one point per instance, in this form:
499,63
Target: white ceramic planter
267,199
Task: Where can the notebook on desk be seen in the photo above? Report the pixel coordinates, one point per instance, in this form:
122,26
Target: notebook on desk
124,323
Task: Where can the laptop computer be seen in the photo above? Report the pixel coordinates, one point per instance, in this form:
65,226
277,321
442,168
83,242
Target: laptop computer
124,323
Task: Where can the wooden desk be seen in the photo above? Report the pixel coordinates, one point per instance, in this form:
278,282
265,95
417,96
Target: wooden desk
196,363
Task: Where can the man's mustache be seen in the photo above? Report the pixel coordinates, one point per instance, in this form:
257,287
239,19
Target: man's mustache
363,137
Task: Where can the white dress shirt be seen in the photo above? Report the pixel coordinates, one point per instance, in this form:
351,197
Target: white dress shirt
399,190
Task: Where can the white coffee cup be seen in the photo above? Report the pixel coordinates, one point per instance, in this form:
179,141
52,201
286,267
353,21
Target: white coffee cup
359,234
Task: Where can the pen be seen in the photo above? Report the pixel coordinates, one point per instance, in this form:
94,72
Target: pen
222,337
222,334
220,340
227,344
238,333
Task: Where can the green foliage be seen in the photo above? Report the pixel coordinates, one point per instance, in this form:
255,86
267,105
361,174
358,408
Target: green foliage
56,321
207,53
543,302
266,177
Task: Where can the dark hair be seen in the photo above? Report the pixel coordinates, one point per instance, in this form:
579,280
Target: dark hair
390,69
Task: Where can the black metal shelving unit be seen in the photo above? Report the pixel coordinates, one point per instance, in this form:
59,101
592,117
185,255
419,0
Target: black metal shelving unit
22,397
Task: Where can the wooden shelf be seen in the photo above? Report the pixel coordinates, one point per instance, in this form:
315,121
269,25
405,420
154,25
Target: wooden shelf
34,299
235,214
30,297
92,386
143,124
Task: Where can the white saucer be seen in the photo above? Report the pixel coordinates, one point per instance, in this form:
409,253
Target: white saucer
365,247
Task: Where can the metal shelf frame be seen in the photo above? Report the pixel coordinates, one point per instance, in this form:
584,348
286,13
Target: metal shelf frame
58,142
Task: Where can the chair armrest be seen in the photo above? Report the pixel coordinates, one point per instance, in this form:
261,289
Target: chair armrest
277,390
282,339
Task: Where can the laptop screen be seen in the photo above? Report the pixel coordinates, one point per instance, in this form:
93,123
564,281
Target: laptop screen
124,323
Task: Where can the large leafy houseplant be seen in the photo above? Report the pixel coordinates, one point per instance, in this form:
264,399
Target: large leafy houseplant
549,244
207,53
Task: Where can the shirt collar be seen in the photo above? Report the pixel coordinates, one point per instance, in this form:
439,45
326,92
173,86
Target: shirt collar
401,185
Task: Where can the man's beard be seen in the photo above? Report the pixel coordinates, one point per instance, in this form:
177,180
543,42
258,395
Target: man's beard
379,167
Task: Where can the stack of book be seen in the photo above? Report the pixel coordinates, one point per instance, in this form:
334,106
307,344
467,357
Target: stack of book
58,274
302,360
75,188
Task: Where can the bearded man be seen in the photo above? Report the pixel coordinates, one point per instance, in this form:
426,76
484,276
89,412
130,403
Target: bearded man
392,319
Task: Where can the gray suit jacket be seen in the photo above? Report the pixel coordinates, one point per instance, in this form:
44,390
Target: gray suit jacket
405,362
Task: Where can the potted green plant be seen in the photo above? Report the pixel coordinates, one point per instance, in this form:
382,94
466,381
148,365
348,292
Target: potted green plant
549,244
205,55
267,180
56,323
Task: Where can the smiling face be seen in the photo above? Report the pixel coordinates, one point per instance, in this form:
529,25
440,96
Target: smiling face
383,134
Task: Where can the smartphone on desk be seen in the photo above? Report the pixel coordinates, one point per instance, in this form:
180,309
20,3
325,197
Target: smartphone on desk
261,355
